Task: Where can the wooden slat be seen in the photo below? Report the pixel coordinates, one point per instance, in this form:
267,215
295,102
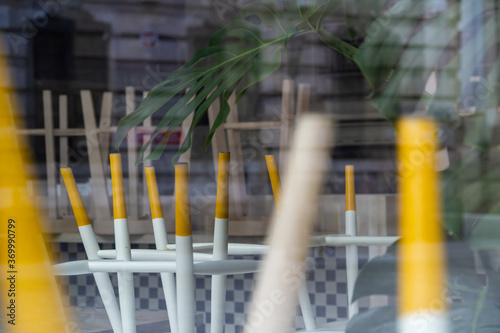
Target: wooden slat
287,106
50,156
63,204
80,131
303,99
237,187
103,222
253,125
63,124
218,143
105,124
57,131
133,183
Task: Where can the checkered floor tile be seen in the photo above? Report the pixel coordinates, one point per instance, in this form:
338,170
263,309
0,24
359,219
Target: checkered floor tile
326,283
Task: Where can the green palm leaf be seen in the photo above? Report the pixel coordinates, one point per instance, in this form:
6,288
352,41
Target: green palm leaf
248,49
393,60
475,310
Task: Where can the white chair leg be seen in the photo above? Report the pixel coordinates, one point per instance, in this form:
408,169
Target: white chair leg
306,307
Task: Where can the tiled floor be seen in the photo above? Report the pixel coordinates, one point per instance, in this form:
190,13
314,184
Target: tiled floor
95,320
326,280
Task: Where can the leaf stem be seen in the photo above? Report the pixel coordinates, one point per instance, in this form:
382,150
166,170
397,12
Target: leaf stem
311,26
277,20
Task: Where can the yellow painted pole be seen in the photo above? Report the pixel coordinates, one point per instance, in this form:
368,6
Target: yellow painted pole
274,176
81,216
422,266
161,242
184,251
221,225
351,229
29,294
222,201
122,243
350,192
119,206
91,246
182,207
154,195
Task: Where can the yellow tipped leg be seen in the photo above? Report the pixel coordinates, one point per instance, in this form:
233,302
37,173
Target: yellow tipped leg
119,207
154,196
79,210
350,229
220,244
159,229
91,246
222,202
182,210
122,240
160,234
274,176
184,258
421,270
350,192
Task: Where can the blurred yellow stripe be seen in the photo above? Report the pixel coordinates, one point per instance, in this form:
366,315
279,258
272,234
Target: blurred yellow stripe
28,285
421,269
